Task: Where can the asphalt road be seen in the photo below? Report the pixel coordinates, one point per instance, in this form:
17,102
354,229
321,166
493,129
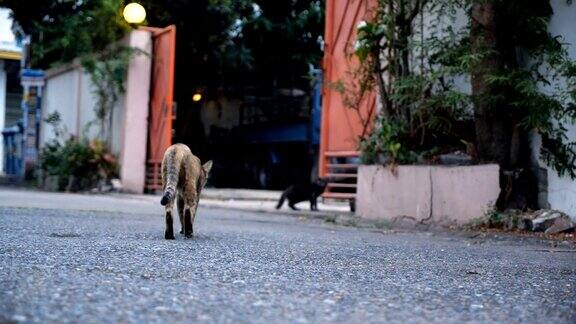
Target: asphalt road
64,265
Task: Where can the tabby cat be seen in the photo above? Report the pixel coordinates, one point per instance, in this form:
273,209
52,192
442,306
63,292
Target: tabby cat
183,177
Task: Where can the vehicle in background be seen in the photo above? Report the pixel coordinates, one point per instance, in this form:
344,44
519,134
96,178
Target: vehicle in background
275,143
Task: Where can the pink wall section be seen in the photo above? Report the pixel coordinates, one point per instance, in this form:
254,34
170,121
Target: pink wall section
440,194
135,121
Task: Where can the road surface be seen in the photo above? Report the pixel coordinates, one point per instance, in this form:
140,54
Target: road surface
81,258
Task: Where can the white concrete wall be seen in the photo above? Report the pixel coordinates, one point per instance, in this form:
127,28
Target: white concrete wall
61,94
69,90
86,102
562,190
458,22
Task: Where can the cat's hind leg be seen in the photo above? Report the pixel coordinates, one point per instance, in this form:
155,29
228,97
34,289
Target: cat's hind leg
189,229
169,232
190,215
180,205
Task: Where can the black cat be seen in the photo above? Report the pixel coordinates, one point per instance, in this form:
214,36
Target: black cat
302,192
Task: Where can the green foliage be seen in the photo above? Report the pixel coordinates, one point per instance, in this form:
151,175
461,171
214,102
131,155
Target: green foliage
384,145
64,30
242,45
77,164
420,104
107,71
494,219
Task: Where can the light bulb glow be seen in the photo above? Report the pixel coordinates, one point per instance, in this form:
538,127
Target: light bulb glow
134,13
196,97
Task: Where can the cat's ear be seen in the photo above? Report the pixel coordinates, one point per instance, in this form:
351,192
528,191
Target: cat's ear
207,166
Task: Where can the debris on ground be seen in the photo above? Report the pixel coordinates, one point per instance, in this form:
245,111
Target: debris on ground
551,224
106,186
116,185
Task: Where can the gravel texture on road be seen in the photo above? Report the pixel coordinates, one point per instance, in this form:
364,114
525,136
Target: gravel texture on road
62,265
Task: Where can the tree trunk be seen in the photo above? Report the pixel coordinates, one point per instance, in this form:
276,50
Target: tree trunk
493,133
499,136
381,86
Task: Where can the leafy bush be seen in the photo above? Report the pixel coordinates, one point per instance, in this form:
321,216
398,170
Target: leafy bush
423,113
384,145
77,164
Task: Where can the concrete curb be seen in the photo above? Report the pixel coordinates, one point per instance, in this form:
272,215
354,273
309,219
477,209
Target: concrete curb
303,213
240,194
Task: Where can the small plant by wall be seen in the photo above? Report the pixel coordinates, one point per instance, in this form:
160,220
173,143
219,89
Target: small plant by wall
422,113
72,164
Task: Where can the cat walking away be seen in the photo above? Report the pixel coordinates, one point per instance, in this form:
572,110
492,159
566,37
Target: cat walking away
183,177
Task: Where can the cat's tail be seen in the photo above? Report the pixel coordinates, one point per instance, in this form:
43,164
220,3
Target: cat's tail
170,178
169,194
281,201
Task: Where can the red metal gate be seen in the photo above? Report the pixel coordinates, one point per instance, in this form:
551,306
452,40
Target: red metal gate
161,103
341,125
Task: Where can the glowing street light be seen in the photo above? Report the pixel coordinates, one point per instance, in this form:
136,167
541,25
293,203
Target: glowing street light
197,97
134,13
